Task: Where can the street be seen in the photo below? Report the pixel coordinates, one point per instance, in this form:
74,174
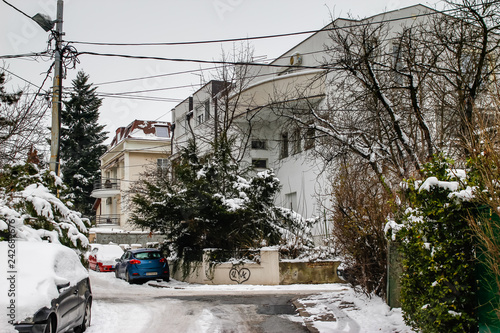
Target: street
178,307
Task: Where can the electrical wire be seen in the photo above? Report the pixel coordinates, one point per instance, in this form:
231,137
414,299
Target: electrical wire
156,76
360,24
31,55
23,79
17,9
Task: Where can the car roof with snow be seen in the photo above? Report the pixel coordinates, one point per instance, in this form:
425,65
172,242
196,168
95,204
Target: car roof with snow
39,268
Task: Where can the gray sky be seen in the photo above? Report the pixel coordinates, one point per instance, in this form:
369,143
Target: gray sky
139,21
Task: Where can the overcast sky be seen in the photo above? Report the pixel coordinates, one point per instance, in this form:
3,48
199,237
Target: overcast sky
139,21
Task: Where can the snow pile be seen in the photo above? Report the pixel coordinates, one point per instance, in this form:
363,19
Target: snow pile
40,268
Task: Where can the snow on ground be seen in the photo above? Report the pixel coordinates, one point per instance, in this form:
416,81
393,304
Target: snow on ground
353,312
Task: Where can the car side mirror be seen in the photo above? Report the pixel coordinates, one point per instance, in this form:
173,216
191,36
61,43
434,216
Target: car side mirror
60,287
118,260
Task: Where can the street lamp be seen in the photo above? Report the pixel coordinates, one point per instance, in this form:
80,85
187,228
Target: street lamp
48,25
44,21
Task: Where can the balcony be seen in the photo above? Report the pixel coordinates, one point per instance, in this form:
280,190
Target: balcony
106,188
107,220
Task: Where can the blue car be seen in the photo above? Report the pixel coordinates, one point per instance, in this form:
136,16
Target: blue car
141,265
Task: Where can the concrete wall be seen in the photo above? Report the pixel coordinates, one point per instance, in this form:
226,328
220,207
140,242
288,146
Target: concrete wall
125,237
270,271
293,272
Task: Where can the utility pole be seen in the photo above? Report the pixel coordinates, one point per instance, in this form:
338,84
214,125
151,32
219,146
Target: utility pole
56,93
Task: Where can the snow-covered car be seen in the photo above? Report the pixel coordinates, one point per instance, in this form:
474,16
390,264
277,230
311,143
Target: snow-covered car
102,257
142,265
47,289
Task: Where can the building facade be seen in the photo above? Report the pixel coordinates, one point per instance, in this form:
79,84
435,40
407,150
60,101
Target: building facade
259,105
142,146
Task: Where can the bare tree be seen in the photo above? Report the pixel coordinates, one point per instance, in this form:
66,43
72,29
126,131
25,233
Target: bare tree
21,125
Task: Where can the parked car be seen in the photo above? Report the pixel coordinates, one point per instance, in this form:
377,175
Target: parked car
142,265
52,290
102,257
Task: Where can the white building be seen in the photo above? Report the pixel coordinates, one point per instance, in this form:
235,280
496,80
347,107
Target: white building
260,98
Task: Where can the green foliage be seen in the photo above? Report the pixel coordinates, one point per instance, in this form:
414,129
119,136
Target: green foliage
209,205
81,143
29,204
438,292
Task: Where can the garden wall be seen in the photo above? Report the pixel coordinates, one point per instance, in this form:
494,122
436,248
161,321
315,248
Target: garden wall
270,271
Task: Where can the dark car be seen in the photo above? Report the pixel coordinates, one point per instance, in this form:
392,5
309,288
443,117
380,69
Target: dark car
141,265
53,289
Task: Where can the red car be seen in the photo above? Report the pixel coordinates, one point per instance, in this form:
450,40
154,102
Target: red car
102,257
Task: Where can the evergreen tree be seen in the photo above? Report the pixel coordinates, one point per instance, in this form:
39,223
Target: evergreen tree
81,142
211,204
30,210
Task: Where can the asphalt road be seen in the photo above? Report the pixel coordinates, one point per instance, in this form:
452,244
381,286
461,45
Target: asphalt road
122,308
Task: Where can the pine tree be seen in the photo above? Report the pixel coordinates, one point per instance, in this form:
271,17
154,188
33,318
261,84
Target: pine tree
212,203
81,142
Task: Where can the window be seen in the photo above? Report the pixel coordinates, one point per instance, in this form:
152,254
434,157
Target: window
310,138
297,142
259,163
161,131
284,145
202,113
207,109
259,144
397,63
162,165
291,201
200,119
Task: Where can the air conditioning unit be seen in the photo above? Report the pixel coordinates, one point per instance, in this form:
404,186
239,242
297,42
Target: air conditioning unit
296,59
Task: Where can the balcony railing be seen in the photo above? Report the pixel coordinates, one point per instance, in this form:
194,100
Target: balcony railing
107,184
107,219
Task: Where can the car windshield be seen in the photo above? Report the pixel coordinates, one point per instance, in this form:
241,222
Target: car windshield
148,255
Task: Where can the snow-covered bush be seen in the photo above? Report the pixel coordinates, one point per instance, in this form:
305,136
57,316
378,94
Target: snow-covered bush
30,209
438,283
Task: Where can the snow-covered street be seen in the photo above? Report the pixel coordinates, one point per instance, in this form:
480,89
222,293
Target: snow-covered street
181,307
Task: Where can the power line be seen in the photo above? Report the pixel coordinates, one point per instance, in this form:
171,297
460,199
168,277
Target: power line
23,79
221,62
360,24
156,76
34,54
20,11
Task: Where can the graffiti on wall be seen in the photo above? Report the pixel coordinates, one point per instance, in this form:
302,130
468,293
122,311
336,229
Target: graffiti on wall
239,275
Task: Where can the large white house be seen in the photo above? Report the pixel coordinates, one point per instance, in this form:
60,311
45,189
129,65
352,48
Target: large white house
256,104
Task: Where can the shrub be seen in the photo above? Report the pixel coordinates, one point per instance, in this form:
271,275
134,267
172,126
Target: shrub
438,287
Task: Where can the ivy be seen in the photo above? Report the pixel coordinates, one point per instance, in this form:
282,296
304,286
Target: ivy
438,285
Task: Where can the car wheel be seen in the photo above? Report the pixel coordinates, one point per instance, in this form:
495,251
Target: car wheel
167,278
97,268
86,318
116,274
127,277
51,325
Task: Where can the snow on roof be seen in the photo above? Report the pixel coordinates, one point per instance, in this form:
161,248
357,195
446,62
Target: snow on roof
143,129
40,267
